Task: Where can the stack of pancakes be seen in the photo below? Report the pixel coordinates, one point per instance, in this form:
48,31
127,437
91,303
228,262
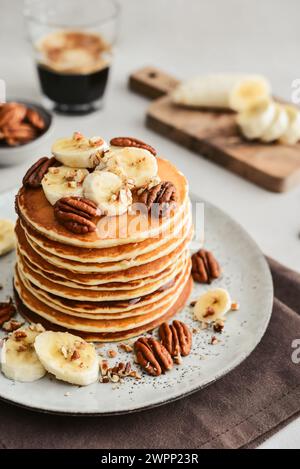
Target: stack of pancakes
124,279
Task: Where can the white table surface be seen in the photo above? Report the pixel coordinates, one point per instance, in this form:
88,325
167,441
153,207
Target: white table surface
185,37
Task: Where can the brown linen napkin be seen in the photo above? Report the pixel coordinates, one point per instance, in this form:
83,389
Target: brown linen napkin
240,410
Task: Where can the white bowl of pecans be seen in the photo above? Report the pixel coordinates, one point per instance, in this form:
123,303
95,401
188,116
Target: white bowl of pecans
23,127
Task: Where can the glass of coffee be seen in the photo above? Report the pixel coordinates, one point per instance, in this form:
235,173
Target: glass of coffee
73,42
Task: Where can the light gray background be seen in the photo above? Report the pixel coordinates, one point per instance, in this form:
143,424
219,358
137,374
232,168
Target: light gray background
185,37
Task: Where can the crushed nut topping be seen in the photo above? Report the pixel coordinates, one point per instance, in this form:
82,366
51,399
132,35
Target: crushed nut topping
214,340
126,347
235,306
112,353
12,325
19,335
218,325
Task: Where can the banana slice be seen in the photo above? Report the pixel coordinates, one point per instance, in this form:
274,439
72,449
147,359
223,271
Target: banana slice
212,305
206,91
248,92
7,236
254,121
62,182
19,360
135,165
108,191
79,151
292,133
68,357
278,126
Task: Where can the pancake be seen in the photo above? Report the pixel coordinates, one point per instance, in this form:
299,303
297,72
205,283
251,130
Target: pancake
111,231
95,278
112,254
156,253
109,310
30,316
89,294
100,325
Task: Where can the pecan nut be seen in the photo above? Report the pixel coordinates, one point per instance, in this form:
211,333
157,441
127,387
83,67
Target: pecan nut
76,213
159,199
132,142
11,114
153,357
7,310
37,171
35,119
177,338
205,267
18,133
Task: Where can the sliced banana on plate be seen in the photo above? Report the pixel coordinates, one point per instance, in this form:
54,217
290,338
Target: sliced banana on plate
68,357
136,165
254,121
212,305
278,126
19,360
7,236
63,181
292,133
79,151
108,191
248,92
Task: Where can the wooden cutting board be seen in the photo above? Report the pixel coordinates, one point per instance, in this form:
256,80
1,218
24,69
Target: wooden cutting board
214,135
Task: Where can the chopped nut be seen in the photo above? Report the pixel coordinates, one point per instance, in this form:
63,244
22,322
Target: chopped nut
95,141
235,306
75,355
214,340
77,136
104,379
64,351
126,347
12,325
103,367
19,335
53,170
72,184
36,327
218,325
112,353
115,378
178,359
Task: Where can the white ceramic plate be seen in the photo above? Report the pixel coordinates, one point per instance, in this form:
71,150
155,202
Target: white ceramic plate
246,276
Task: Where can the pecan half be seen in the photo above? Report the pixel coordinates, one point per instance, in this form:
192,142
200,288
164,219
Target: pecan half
159,199
35,119
177,338
37,171
205,267
7,310
18,133
153,357
12,113
76,213
132,142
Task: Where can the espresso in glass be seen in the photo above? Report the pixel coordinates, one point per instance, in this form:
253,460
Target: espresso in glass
73,69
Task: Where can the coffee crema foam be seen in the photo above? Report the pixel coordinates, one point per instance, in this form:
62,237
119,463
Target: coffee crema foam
75,52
